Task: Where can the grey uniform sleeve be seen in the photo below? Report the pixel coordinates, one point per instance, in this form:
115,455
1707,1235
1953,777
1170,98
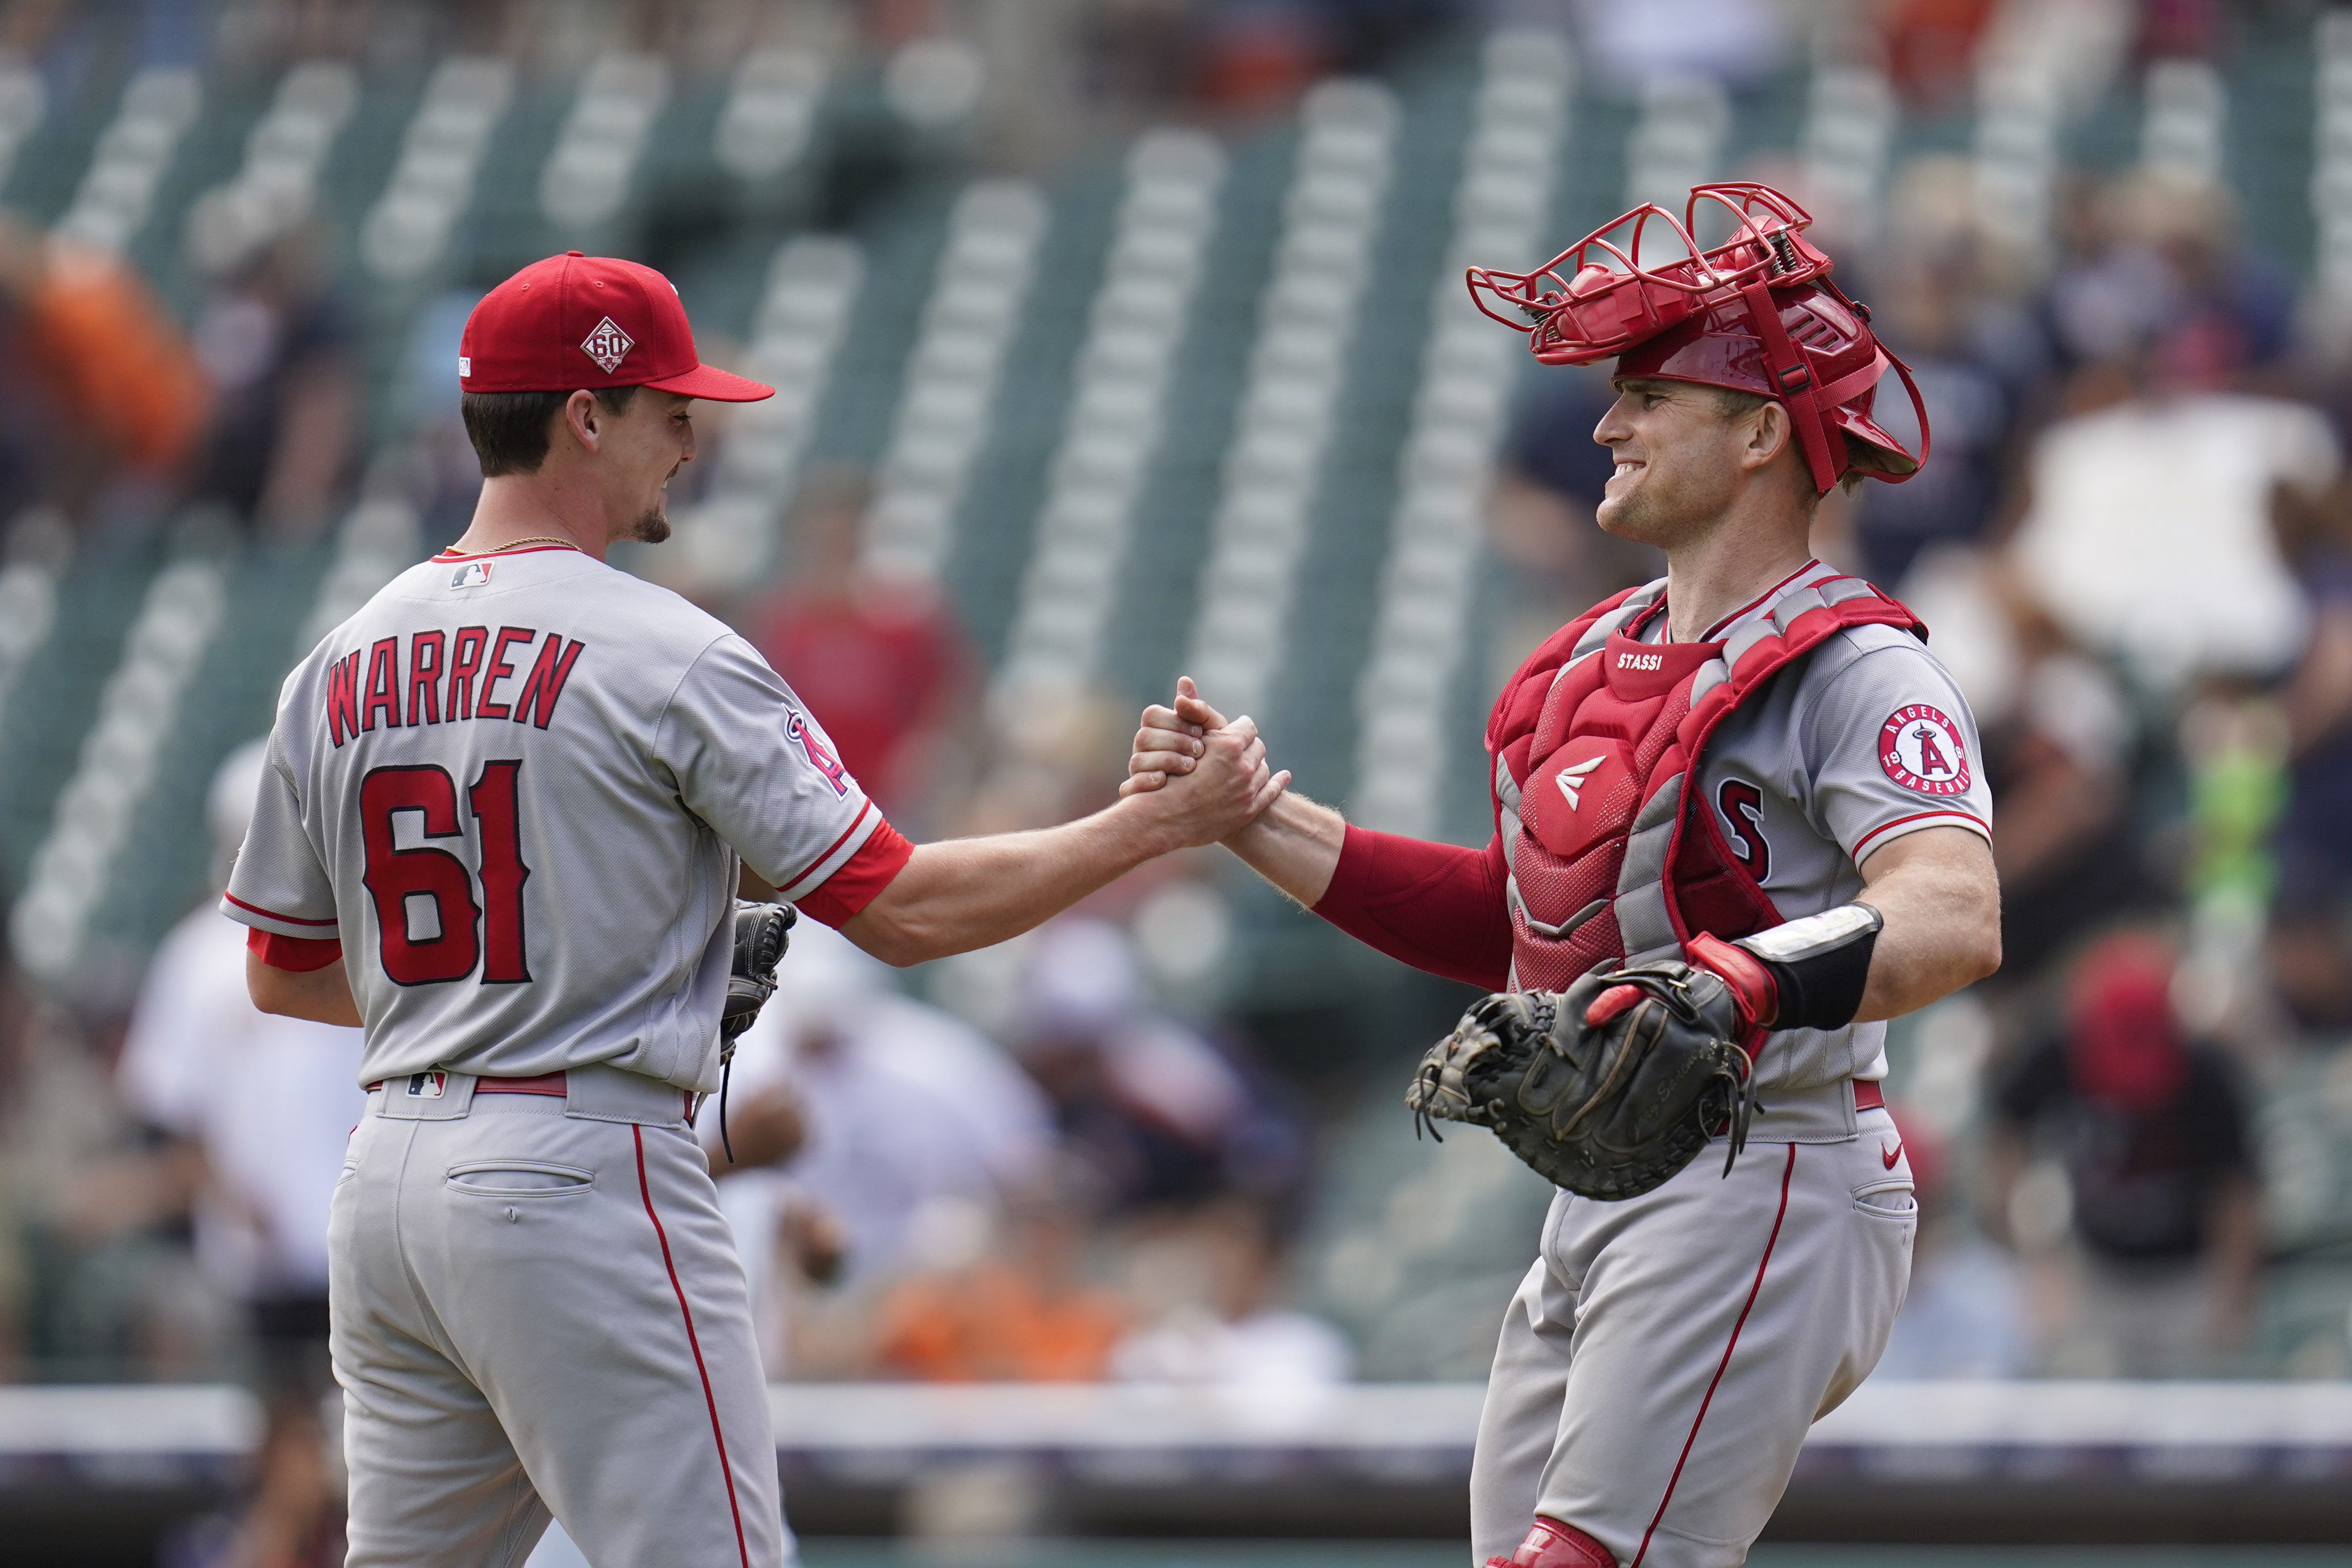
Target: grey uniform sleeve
1891,748
752,763
279,883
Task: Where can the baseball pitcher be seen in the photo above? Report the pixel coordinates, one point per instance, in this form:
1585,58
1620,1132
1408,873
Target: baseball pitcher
506,809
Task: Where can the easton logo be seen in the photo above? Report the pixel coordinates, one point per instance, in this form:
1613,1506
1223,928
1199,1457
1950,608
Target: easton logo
607,345
1641,661
1571,779
819,756
1920,748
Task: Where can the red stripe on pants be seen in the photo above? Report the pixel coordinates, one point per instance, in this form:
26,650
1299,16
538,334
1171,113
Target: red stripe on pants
725,1470
1787,1171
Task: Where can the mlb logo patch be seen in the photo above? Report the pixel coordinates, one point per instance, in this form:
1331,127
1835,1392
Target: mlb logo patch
472,574
465,366
428,1085
607,345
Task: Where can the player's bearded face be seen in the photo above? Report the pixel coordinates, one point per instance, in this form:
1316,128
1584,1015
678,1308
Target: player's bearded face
1676,462
652,441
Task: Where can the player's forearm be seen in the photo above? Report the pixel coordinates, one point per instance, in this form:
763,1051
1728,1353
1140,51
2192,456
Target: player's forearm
1295,844
1941,902
321,995
964,893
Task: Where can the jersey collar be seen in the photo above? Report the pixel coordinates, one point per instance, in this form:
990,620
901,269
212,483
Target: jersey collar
1812,572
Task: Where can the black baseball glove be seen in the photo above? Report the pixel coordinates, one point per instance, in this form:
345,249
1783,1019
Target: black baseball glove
762,932
1606,1089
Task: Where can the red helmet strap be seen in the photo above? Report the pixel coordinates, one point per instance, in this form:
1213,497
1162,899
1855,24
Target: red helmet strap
1795,388
1918,407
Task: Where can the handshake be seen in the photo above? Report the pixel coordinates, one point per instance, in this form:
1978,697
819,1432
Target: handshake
1218,769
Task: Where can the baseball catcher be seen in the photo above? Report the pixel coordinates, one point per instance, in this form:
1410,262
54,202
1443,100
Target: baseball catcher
1740,821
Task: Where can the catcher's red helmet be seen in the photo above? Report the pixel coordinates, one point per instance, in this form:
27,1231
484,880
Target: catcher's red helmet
1757,313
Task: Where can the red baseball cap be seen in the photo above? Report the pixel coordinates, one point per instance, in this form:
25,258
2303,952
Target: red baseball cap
575,322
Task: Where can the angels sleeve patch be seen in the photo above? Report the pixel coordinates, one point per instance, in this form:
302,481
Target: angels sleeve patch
1921,749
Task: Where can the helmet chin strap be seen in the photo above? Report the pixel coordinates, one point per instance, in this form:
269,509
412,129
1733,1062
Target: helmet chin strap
1793,380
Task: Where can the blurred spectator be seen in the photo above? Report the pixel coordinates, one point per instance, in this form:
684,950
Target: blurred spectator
1019,1309
905,1109
1156,1115
1220,1315
105,400
261,1106
280,352
2162,274
2069,850
2151,1132
881,665
2149,534
1733,41
2311,965
1972,358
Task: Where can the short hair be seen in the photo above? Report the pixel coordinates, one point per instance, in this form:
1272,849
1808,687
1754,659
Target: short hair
510,429
1860,455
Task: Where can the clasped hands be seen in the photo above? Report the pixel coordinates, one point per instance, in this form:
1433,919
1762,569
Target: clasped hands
1175,742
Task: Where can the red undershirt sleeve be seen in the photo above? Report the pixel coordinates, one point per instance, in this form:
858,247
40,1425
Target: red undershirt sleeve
295,955
866,873
1438,907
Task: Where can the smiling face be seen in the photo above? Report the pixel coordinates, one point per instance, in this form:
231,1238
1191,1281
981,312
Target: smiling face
1679,460
638,449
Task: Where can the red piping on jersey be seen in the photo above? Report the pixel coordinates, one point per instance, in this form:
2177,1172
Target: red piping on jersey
1787,1171
273,914
1714,631
455,554
725,1471
830,849
1968,816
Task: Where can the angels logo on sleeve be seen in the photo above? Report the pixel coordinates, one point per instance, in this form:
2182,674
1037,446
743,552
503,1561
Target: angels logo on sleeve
820,758
1921,749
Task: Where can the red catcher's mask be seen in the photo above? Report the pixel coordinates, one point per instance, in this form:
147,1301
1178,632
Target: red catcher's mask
1757,313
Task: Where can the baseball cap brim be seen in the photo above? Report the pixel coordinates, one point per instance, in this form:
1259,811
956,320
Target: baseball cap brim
718,386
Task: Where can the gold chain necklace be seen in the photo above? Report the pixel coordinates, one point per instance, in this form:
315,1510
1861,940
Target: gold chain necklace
512,544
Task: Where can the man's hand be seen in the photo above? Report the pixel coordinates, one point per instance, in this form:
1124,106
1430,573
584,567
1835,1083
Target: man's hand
1221,789
1292,842
1171,741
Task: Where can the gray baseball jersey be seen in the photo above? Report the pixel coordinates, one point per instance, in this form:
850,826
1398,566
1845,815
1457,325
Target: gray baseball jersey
1864,741
514,786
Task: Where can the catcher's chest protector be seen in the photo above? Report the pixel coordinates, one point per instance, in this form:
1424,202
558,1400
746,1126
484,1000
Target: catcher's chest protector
1593,741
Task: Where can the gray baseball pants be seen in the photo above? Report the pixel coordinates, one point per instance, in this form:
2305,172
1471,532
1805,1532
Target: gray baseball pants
1660,1362
537,1307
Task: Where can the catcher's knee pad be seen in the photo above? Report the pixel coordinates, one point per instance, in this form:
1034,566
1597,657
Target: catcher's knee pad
1551,1544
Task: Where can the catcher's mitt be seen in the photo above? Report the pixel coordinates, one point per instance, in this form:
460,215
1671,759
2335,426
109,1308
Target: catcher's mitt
1606,1089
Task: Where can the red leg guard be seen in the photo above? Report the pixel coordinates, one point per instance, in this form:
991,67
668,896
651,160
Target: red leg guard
1551,1544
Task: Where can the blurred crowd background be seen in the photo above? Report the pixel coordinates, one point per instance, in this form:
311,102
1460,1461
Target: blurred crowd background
1121,337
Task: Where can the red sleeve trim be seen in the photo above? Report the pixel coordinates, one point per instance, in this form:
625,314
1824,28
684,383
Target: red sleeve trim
295,955
796,878
1948,813
273,914
864,874
1438,907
